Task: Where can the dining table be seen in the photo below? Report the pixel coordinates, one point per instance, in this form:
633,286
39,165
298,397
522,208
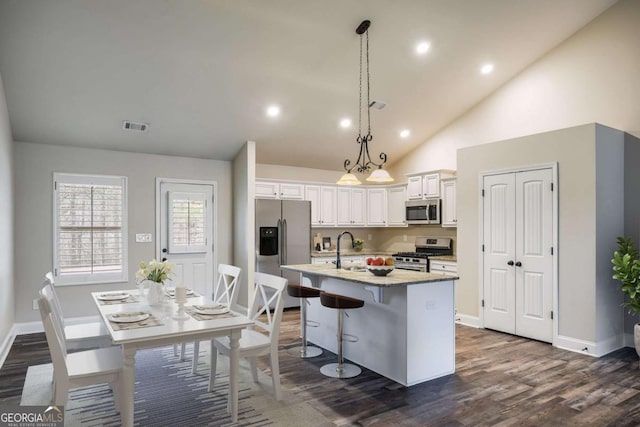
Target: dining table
134,324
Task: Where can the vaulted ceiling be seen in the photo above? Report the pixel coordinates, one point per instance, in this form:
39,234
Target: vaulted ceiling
202,73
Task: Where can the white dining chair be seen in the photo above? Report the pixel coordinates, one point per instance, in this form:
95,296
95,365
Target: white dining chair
269,290
225,293
82,368
80,336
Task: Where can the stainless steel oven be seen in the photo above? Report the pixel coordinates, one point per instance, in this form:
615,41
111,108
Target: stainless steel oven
423,211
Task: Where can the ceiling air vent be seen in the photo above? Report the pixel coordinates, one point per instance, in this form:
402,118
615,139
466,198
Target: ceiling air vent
141,127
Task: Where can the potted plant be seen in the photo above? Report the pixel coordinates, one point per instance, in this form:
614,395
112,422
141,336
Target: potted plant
357,244
153,275
627,271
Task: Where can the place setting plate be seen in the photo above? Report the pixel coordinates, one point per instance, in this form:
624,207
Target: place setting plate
113,296
128,317
211,309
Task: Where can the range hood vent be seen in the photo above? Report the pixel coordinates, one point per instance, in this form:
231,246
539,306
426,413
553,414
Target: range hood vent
140,127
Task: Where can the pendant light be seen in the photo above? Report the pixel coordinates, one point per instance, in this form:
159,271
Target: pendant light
364,163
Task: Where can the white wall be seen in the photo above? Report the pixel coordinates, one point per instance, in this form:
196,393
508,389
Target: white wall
631,209
35,165
591,77
244,185
6,223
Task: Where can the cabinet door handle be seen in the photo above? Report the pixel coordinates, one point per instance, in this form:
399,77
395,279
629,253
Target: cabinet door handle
510,262
518,264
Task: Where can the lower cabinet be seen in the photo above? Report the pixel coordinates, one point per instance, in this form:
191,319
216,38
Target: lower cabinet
443,267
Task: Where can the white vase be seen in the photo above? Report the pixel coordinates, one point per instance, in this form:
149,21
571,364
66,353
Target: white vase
636,337
155,294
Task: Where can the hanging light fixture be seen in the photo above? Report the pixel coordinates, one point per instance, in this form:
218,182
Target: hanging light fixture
364,163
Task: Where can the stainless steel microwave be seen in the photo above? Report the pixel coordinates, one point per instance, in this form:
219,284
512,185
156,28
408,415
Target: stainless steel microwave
423,211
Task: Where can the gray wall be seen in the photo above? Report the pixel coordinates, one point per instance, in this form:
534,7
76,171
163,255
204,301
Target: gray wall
35,165
6,222
631,208
574,150
609,224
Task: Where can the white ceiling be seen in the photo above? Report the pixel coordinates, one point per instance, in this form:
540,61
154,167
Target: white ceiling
201,73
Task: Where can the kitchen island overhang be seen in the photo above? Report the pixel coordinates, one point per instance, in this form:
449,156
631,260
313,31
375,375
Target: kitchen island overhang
406,329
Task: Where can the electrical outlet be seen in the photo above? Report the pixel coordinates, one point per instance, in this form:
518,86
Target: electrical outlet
404,237
370,237
431,305
35,304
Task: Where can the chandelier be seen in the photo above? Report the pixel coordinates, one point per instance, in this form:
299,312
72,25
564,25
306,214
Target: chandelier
364,163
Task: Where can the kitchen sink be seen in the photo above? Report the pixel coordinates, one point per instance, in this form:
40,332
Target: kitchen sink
355,268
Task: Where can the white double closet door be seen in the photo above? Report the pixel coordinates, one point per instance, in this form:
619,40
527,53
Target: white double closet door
518,261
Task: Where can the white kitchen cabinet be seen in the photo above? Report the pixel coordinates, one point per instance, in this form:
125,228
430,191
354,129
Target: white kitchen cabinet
377,207
443,267
426,185
323,205
449,215
279,190
396,197
351,205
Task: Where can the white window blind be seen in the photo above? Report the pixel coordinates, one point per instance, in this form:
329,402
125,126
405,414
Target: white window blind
187,222
90,229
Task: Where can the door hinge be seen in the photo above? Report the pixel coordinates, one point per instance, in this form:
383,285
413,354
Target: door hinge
482,303
551,314
552,186
551,250
482,248
55,272
55,185
483,192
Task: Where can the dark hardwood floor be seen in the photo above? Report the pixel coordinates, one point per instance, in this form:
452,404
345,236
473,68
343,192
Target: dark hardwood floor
500,380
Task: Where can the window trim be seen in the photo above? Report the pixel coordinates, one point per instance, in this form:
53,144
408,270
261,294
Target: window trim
96,278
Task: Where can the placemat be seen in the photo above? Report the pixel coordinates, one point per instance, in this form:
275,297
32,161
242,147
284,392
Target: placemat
129,299
150,321
192,312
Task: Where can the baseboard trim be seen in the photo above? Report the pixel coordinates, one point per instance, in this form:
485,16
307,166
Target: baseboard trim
465,319
628,340
6,345
590,348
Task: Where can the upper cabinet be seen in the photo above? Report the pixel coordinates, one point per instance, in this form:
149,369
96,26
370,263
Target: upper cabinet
276,190
377,207
323,205
426,185
448,190
351,205
396,197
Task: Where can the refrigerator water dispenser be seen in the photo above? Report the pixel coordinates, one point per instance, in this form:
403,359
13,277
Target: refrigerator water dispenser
268,241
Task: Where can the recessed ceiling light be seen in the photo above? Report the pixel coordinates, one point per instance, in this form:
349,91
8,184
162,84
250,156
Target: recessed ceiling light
345,123
273,111
423,47
486,68
404,133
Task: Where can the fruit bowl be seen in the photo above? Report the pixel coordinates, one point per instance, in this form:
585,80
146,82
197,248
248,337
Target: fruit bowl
380,270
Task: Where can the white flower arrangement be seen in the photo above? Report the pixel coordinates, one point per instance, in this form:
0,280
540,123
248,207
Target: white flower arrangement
155,271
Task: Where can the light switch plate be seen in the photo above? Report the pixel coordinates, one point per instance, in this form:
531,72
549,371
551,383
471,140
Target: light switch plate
143,238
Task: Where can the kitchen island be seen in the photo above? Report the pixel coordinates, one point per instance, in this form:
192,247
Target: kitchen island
406,329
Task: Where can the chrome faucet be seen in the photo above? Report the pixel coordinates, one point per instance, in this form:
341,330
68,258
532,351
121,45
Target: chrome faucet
353,245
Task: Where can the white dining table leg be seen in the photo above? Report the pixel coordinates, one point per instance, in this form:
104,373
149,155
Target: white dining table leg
128,386
232,405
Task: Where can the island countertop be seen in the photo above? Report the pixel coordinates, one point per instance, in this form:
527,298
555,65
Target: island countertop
396,278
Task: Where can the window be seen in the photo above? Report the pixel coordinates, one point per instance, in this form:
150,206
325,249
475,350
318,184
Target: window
187,219
90,229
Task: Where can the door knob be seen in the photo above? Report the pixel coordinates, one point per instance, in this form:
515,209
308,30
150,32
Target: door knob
510,263
518,264
164,250
164,259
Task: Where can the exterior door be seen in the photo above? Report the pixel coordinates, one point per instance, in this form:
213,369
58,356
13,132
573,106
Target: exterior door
186,233
518,264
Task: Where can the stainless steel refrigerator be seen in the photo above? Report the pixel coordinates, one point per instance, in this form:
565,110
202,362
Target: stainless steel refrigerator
283,236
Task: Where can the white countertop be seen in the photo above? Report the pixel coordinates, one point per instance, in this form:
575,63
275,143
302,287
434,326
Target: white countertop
395,278
364,252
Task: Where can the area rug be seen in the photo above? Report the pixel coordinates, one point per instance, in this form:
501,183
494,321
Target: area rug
168,394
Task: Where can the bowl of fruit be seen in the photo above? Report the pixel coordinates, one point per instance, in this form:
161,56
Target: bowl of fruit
380,266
